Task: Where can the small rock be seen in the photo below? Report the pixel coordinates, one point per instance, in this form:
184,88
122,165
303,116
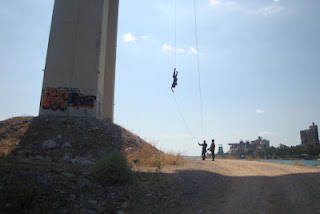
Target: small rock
24,152
59,136
86,162
72,197
124,205
102,210
149,195
66,159
38,157
66,145
121,212
48,159
112,195
15,128
68,175
85,211
103,203
92,202
86,173
49,144
65,211
200,211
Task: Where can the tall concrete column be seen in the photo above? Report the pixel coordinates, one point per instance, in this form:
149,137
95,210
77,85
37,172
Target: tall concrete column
79,74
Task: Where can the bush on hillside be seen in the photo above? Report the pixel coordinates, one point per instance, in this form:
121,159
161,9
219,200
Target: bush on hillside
113,168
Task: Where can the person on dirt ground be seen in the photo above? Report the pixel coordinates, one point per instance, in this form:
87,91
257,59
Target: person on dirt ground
212,148
204,149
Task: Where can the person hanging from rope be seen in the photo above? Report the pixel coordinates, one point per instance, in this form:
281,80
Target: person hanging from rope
204,149
175,79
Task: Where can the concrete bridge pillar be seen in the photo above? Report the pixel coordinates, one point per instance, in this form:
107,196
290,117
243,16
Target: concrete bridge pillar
79,73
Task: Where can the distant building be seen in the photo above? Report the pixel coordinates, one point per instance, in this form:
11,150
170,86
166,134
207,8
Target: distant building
309,136
260,144
248,147
237,146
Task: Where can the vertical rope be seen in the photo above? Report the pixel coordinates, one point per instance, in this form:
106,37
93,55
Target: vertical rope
198,62
175,66
185,123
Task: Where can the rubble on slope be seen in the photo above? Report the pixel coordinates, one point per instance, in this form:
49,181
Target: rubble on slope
56,153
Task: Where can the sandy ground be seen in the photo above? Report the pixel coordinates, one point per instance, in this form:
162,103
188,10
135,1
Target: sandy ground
241,186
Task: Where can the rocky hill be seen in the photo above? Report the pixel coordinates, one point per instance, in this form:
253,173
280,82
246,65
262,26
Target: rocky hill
45,168
64,139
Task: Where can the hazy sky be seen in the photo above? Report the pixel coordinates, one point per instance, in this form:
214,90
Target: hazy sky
259,66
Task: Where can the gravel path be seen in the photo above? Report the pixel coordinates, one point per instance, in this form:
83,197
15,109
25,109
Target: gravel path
241,186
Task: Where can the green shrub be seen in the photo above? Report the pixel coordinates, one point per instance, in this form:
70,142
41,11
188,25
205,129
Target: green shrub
20,198
113,168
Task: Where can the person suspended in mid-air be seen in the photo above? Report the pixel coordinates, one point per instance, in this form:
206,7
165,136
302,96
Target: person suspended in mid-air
175,79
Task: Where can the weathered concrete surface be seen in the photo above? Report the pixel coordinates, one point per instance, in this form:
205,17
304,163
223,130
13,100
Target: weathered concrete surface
80,66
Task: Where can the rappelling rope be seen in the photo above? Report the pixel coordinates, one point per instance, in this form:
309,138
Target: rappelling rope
175,65
198,62
185,123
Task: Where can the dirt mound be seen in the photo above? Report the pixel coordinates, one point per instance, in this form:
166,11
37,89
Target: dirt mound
45,167
70,138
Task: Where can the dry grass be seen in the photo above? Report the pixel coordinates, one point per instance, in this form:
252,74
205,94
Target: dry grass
148,156
7,145
232,157
250,158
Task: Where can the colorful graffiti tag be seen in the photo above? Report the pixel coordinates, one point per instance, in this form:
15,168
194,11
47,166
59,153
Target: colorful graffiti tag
54,99
61,98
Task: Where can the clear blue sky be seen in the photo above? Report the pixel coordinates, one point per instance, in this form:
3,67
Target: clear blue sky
259,67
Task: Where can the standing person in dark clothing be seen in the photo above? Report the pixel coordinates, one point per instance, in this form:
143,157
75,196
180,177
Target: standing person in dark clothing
212,148
204,149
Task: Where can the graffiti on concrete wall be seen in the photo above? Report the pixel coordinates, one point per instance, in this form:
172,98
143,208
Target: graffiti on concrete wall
81,101
61,98
54,99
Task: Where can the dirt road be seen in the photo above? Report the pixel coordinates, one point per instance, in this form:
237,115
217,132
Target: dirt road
241,186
